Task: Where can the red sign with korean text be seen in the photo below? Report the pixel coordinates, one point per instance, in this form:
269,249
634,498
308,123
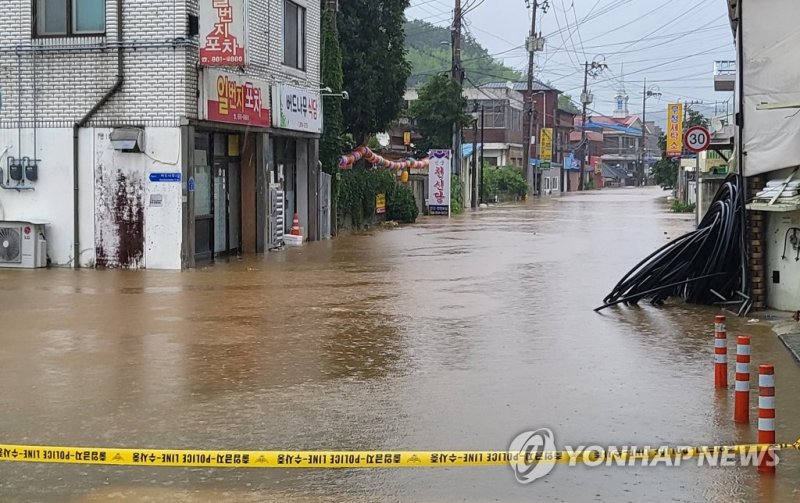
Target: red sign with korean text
236,99
222,33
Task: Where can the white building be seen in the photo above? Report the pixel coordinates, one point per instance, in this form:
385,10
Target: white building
149,134
767,84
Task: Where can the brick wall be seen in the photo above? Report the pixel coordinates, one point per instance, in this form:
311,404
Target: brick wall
756,221
72,74
66,76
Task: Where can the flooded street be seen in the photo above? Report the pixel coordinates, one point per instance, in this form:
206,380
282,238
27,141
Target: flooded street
452,334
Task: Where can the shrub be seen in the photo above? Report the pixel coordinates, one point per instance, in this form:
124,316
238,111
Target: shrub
401,205
505,182
681,207
357,190
456,195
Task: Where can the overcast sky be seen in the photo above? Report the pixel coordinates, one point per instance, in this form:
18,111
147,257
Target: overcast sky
671,43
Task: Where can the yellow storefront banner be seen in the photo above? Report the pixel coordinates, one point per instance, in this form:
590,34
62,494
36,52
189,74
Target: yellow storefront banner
674,129
546,153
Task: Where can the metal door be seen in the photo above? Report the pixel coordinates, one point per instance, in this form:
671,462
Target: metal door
324,205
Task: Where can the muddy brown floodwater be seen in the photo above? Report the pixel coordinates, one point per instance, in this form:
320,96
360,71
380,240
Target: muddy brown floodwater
447,335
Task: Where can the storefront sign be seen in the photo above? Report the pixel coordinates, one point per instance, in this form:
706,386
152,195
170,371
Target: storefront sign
236,99
546,153
674,129
380,204
222,33
439,182
297,109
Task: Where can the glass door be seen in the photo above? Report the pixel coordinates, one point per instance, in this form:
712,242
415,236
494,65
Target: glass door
220,206
234,205
203,207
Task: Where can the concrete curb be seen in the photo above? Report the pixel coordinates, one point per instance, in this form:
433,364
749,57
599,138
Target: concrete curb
792,343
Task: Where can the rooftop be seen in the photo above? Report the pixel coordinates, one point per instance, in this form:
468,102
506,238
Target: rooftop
520,86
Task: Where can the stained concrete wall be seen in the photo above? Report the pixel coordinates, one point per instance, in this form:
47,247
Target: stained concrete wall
118,226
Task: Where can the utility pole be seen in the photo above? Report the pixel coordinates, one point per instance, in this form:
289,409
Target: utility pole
532,44
586,98
644,128
594,68
458,78
475,156
483,190
528,127
646,93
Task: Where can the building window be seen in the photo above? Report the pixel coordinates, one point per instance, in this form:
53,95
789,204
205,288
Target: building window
555,183
294,35
64,18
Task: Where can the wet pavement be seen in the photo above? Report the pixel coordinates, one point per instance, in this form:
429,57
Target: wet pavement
447,335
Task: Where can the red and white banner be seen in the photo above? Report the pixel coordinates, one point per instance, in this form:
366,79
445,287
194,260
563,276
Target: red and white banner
236,99
222,32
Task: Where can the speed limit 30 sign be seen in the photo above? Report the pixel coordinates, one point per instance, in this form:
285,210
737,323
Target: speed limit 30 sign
696,139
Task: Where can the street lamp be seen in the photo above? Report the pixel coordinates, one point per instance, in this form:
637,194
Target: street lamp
478,117
475,118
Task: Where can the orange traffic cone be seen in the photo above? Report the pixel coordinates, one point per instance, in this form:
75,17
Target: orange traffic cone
295,231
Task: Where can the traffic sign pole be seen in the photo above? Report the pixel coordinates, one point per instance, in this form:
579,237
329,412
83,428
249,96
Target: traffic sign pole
697,139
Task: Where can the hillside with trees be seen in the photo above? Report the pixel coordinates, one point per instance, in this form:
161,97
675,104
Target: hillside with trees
428,52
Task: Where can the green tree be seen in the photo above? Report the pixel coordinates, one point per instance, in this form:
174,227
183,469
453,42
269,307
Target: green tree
331,143
665,170
694,118
429,54
440,104
565,103
374,64
504,183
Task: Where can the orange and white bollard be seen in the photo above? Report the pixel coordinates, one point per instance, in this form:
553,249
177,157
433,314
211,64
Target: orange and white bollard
741,395
720,353
766,415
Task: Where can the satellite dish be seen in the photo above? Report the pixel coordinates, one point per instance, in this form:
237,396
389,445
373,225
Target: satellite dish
716,125
383,139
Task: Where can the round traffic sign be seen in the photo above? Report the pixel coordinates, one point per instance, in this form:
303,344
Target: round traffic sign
696,139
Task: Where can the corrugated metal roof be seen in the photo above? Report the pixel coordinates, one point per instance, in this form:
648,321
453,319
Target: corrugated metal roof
520,86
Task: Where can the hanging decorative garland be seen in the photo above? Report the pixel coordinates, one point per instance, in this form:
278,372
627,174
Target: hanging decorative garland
371,157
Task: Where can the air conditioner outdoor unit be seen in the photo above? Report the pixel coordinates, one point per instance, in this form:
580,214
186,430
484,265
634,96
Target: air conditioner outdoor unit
22,245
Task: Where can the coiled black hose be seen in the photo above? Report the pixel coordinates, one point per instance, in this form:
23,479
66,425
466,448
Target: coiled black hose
696,265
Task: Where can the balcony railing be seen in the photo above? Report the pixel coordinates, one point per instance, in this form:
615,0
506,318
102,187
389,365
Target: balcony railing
724,67
724,75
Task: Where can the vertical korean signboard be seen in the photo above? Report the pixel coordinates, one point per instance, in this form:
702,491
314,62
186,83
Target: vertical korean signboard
236,99
439,165
674,129
546,150
222,33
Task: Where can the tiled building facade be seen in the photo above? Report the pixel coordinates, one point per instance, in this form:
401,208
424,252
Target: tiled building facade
108,102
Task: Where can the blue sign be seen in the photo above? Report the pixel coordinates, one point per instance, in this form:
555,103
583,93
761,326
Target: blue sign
190,184
165,177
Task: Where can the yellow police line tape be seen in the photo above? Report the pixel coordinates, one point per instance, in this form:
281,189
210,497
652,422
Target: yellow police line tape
348,459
